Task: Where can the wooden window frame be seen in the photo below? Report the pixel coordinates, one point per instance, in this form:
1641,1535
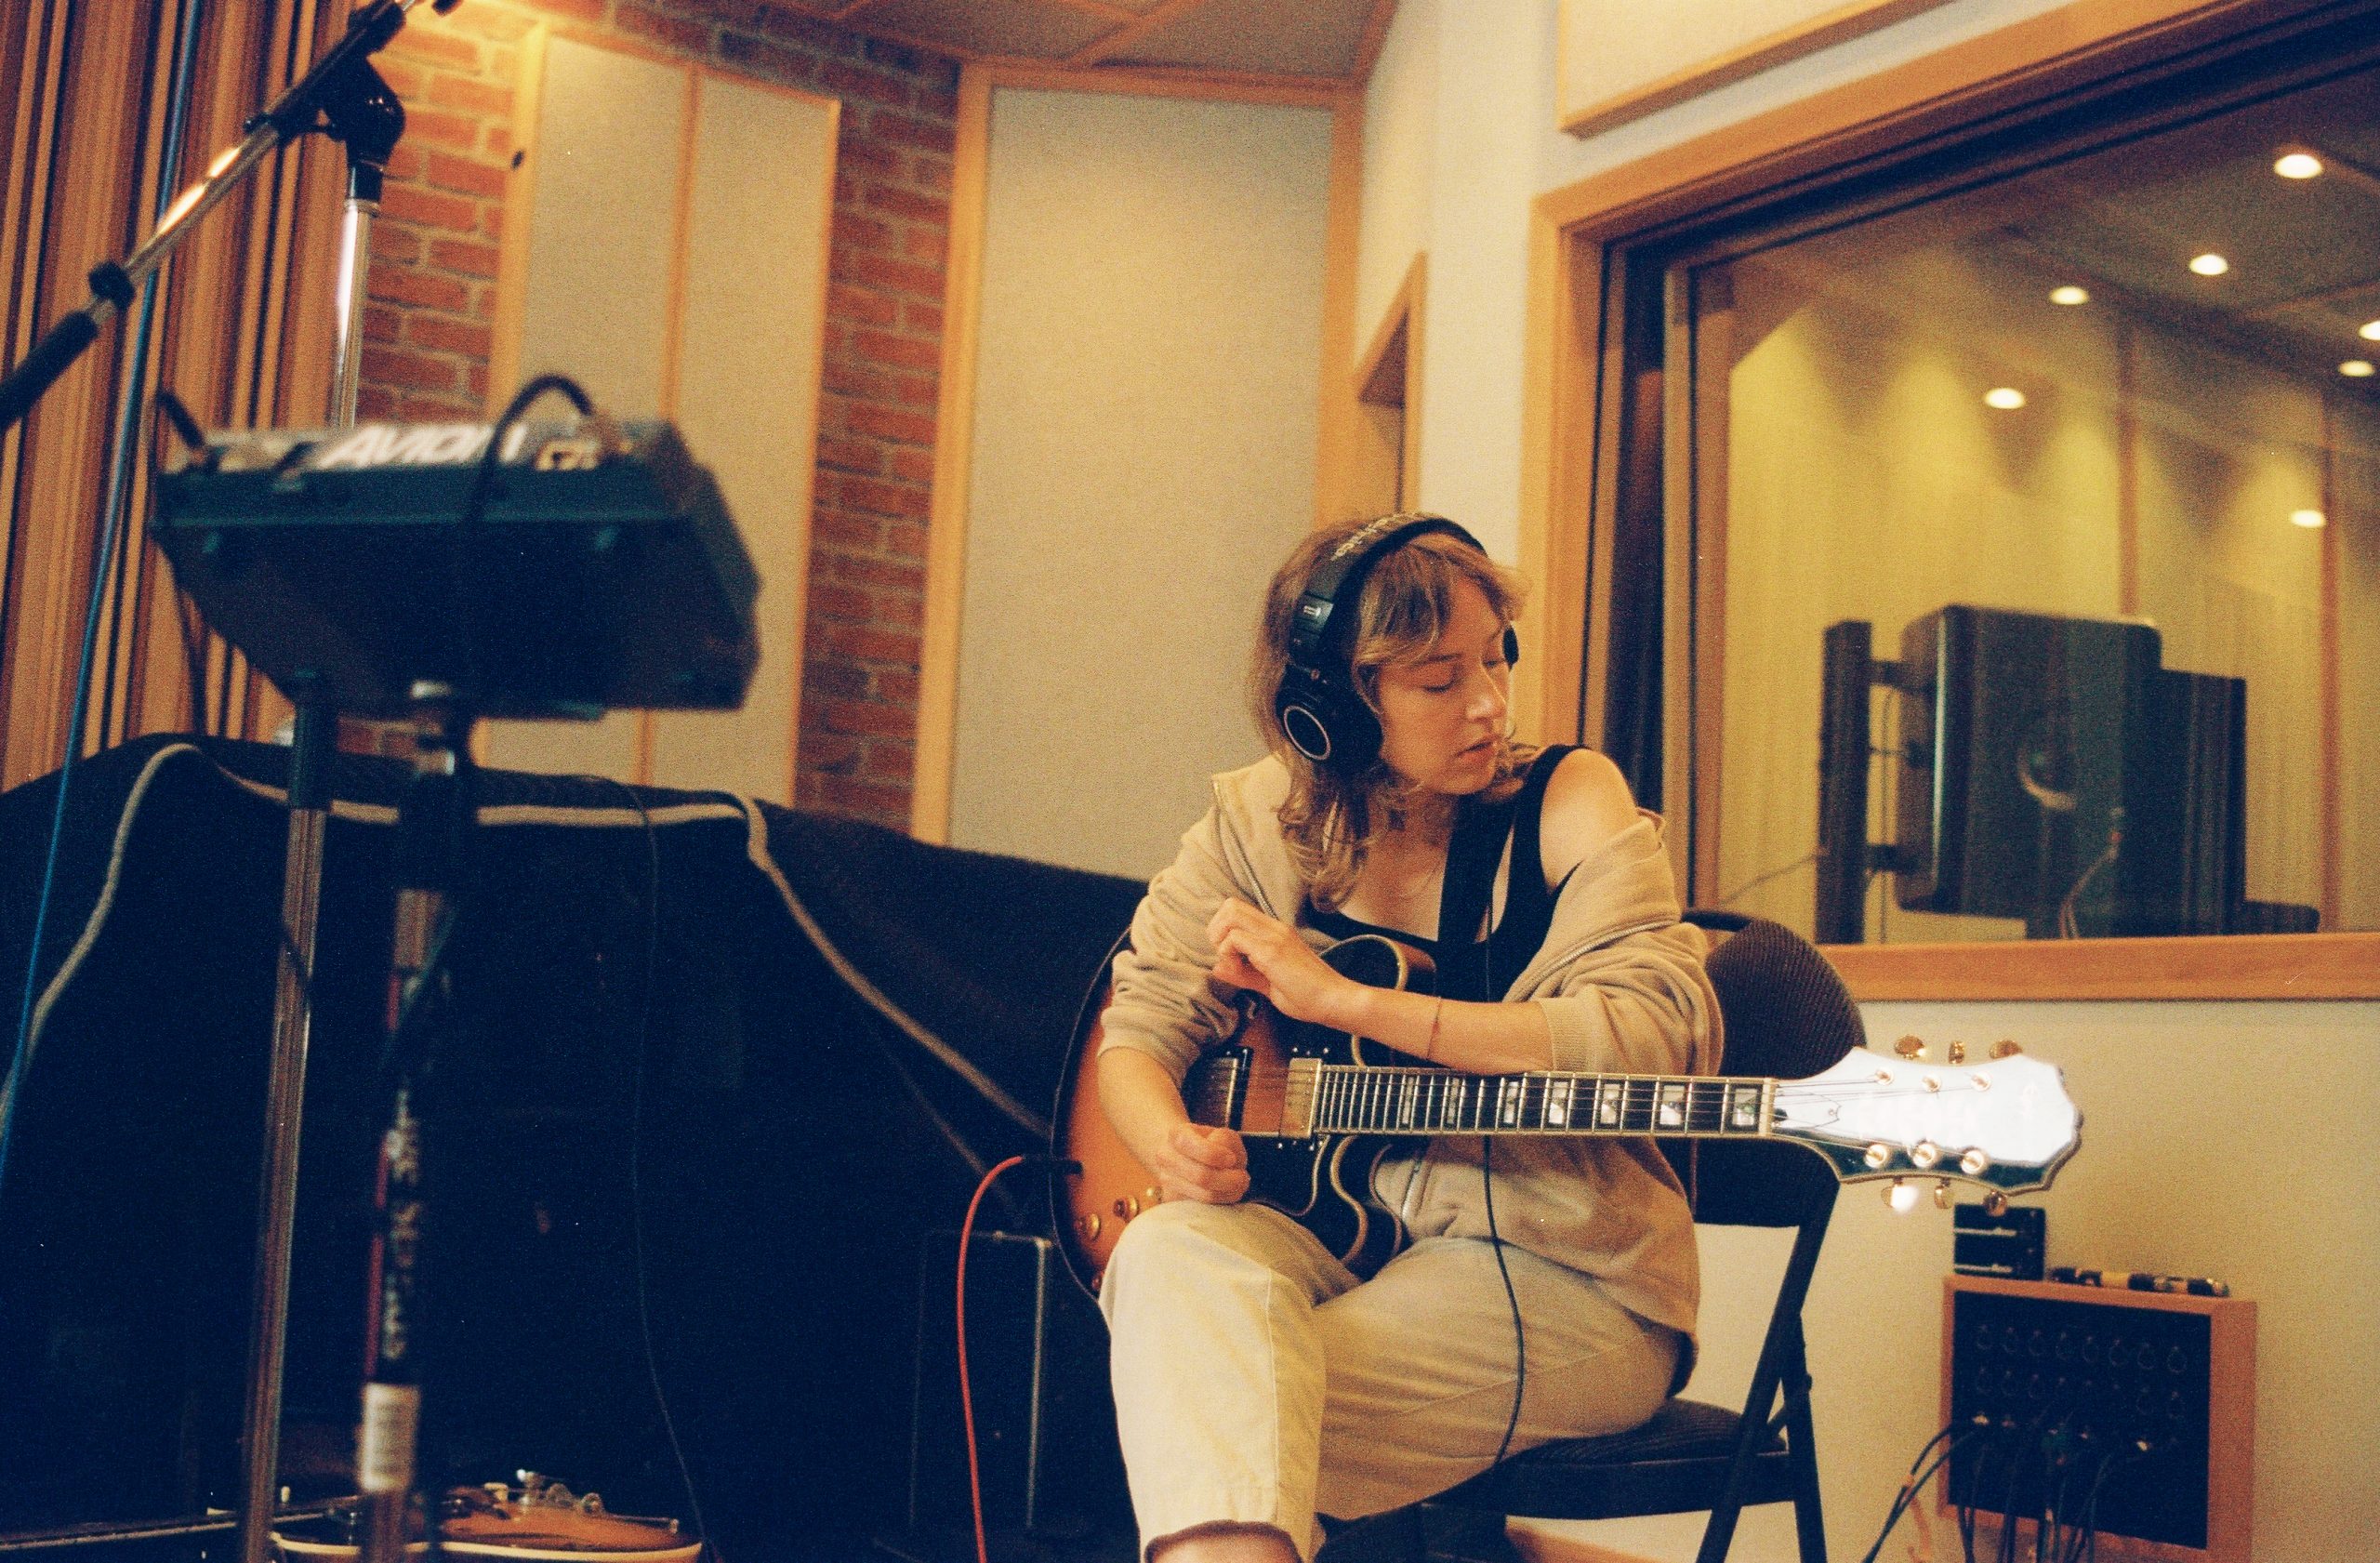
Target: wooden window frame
2011,83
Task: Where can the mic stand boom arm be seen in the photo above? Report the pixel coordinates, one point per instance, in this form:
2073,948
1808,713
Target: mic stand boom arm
339,82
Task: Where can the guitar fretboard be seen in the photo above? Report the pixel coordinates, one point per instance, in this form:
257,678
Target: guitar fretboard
1354,1099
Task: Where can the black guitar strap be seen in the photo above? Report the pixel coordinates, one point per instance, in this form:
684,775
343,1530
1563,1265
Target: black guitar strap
1464,897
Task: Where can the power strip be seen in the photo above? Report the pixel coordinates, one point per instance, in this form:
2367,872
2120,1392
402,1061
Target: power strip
2133,1410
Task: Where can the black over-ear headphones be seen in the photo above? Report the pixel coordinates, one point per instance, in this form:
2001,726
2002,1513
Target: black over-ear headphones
1319,710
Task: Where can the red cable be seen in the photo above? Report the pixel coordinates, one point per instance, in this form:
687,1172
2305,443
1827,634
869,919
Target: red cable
966,1394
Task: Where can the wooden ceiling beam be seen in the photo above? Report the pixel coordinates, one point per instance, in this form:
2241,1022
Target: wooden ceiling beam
1132,32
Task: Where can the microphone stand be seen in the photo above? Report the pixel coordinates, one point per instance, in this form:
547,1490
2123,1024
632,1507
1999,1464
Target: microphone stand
360,111
344,97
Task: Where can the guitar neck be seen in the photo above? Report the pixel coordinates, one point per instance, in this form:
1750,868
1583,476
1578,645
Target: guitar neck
1354,1099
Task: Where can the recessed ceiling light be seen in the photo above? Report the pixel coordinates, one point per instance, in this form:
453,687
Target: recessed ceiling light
2070,294
2298,166
2357,368
2307,519
2007,398
2369,331
2209,265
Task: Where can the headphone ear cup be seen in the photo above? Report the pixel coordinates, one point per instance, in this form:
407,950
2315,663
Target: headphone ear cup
1512,645
1326,722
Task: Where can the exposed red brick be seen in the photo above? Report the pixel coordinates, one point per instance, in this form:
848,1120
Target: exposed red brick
918,391
876,87
476,98
427,208
578,10
864,307
885,498
890,573
882,271
851,455
833,600
889,762
434,409
693,37
395,246
467,338
466,256
406,79
419,289
374,401
906,203
912,130
432,295
762,58
414,371
882,347
435,45
857,153
891,423
489,22
859,716
466,174
460,131
836,529
888,805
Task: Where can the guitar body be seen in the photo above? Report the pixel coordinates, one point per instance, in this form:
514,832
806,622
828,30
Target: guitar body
1323,1182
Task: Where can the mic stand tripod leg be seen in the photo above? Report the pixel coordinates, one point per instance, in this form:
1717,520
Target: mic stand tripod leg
433,826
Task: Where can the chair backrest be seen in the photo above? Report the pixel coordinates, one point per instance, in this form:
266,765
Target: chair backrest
1788,1014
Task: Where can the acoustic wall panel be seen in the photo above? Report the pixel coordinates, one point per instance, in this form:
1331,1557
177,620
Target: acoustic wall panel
1143,455
748,398
675,261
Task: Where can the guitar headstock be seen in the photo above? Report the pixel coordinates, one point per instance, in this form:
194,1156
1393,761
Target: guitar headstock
2004,1122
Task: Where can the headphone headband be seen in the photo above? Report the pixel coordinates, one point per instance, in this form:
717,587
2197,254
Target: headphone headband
1341,574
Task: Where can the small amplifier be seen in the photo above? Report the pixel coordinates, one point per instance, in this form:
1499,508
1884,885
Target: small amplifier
2009,1245
1045,1424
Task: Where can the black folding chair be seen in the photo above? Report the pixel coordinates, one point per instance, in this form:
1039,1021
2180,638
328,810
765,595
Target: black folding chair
1788,1014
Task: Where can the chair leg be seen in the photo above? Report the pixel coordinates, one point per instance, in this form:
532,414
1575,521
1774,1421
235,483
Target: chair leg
1809,1519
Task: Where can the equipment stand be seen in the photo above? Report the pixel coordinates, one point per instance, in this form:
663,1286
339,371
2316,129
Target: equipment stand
359,110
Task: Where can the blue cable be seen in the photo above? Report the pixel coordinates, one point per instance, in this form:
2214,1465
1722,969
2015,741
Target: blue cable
110,531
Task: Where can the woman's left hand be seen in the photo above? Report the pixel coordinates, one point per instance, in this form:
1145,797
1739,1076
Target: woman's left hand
1266,955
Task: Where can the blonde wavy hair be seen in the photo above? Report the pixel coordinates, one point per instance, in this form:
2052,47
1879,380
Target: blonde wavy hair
1407,598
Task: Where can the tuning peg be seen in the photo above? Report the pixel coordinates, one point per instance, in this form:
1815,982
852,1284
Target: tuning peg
1878,1155
1958,1052
1923,1153
1909,1047
2004,1048
1901,1196
1995,1204
1942,1194
1973,1162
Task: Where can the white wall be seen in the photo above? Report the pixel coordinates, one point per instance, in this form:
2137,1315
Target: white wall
1147,396
2218,1138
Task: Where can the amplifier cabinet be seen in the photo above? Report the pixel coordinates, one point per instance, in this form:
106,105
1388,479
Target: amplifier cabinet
1045,1424
2139,1407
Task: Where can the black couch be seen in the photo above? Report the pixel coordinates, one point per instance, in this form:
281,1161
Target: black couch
787,1144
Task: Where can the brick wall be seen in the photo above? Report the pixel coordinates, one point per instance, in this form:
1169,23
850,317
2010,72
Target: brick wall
431,305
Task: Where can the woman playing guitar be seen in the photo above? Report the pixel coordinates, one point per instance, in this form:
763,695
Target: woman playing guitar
1258,1380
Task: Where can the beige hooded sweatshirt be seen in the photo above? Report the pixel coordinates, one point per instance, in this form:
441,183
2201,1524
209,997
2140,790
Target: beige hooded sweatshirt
1620,981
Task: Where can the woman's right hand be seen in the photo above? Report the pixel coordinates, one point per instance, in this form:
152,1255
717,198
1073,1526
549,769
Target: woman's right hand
1199,1161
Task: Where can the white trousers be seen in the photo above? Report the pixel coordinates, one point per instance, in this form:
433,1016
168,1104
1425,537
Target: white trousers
1258,1383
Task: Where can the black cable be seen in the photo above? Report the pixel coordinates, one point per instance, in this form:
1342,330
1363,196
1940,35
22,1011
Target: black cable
635,1156
1520,1337
1920,1473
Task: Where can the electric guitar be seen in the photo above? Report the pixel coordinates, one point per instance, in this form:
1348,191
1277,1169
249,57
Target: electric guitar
1318,1109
